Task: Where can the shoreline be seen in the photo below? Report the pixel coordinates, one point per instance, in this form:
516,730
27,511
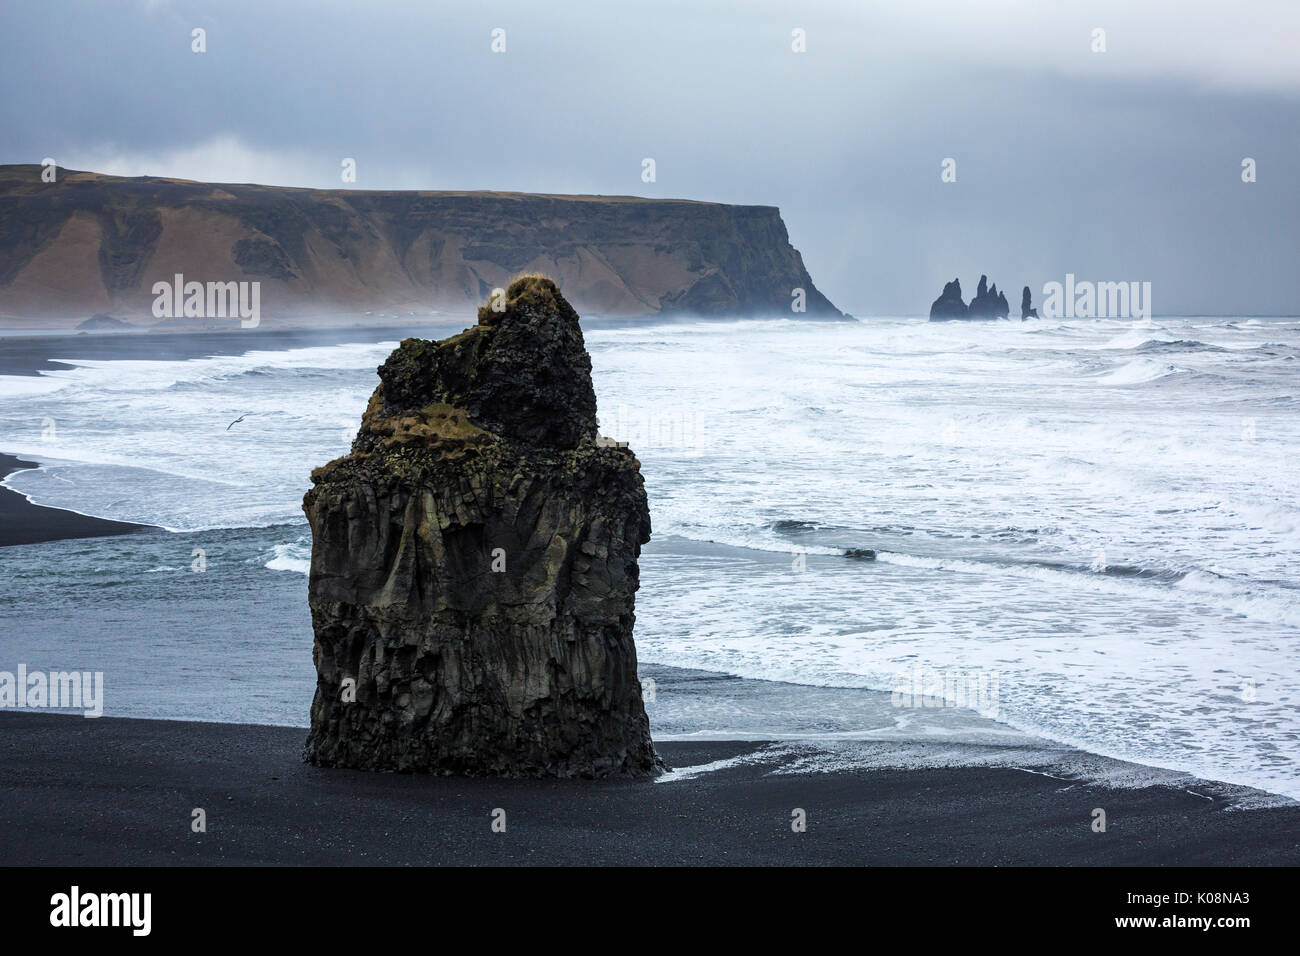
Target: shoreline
23,522
120,791
39,629
27,353
695,705
23,351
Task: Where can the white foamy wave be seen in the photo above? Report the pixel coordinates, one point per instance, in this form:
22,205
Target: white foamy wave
1138,372
789,757
1135,340
290,557
753,541
26,386
1280,605
1085,580
1274,604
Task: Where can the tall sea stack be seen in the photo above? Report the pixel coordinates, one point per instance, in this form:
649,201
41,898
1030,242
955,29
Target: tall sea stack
950,304
1027,311
988,303
474,562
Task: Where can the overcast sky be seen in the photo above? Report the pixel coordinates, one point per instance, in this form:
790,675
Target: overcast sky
1115,165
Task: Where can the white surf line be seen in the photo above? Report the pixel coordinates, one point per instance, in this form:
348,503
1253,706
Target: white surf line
1043,773
765,755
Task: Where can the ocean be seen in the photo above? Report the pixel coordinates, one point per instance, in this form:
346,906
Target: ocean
1084,532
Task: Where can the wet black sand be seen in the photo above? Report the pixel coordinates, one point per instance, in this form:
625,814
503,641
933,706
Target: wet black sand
113,791
22,522
26,354
23,352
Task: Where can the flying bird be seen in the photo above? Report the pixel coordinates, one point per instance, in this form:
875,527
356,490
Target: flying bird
236,422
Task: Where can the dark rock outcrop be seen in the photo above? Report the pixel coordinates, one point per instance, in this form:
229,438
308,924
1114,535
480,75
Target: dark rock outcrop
474,562
1026,302
988,303
949,305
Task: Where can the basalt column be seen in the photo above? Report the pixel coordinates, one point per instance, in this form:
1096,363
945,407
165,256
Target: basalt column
474,562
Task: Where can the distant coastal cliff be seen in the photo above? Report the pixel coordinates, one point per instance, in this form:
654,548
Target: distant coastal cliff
91,244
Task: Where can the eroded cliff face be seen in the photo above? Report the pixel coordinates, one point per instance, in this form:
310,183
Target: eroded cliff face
89,244
474,563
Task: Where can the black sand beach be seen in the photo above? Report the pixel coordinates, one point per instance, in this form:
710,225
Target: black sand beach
22,522
112,791
28,354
